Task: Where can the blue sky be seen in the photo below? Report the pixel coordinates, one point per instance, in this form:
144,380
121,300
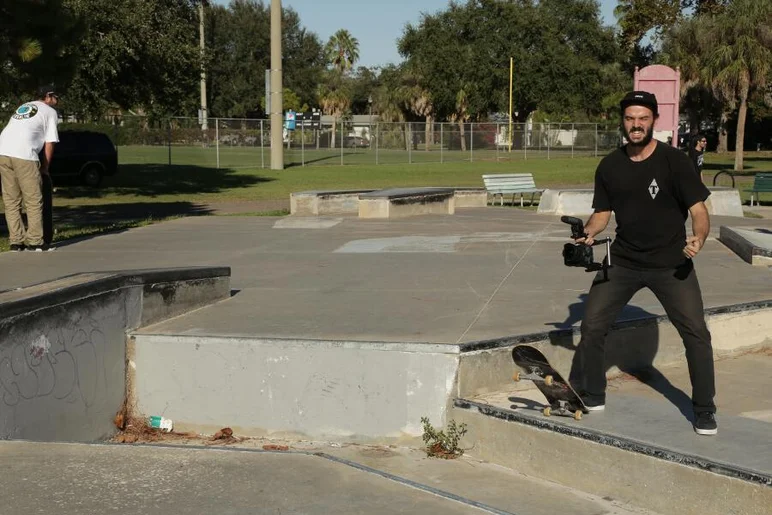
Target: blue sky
376,23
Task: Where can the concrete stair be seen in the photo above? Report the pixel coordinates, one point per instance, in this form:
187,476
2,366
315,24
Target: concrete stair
642,448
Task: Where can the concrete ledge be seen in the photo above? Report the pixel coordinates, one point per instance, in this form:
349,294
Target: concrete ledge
665,479
754,246
404,202
566,202
332,202
337,391
486,366
724,202
63,346
578,202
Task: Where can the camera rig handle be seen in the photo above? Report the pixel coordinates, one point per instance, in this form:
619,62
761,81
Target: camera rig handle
606,263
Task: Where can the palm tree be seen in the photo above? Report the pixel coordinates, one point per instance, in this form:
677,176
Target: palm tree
335,100
342,51
739,58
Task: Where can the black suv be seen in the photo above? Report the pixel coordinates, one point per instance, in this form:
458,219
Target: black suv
86,155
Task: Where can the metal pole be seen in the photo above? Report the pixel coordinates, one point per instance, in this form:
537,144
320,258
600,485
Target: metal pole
341,140
548,141
277,150
471,142
204,122
596,140
496,140
169,141
377,139
262,145
303,143
511,69
410,143
217,135
573,138
442,141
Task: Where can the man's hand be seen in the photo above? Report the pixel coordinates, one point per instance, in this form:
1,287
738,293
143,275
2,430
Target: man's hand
693,246
589,240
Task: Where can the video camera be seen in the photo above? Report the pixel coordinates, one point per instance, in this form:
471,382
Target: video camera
580,254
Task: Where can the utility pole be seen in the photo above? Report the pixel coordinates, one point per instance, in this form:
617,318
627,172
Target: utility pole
277,101
204,124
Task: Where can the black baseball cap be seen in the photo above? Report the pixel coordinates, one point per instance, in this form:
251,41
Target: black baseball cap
47,89
640,98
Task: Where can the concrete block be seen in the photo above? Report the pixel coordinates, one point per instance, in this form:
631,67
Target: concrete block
724,202
754,246
340,391
333,202
577,202
471,197
404,202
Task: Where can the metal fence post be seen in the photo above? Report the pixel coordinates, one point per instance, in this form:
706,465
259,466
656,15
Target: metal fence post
409,133
303,143
169,141
573,140
496,142
548,141
377,139
442,141
471,142
596,140
341,141
217,136
262,146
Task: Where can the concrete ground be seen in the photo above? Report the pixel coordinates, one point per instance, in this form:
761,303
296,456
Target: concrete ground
481,273
78,479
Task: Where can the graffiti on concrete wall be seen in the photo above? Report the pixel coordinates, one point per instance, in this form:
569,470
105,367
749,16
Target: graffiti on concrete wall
65,363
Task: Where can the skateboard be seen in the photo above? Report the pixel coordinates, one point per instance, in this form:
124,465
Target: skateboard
561,397
47,188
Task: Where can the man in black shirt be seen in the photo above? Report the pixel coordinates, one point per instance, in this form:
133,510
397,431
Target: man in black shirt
697,152
651,188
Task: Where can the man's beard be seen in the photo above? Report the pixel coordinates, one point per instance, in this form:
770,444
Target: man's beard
648,136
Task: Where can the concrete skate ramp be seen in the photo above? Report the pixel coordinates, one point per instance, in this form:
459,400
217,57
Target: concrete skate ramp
63,345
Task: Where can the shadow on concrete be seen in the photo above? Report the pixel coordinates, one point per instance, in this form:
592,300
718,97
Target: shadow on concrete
632,357
151,180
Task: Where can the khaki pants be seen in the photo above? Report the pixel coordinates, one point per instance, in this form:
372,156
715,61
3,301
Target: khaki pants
22,183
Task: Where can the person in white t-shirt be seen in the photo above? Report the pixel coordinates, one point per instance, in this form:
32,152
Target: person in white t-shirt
31,129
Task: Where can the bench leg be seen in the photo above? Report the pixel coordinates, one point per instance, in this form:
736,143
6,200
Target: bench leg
521,200
751,199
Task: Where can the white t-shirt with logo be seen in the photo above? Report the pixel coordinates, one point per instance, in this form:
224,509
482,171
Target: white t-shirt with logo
30,127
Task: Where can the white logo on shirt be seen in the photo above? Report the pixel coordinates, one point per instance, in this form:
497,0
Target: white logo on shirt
25,112
653,188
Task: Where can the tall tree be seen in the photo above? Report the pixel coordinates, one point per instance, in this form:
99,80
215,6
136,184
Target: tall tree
739,58
342,51
37,44
136,54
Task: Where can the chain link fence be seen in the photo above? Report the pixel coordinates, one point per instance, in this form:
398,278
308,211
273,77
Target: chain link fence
246,143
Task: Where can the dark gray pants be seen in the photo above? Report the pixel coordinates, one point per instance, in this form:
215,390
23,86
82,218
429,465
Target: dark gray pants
679,292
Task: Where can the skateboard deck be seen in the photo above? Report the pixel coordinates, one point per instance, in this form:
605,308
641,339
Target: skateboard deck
561,397
48,211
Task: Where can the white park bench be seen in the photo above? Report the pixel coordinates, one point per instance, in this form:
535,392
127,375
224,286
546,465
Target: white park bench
511,184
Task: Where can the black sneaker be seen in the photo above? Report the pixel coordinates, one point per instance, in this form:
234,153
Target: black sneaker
706,423
40,248
17,247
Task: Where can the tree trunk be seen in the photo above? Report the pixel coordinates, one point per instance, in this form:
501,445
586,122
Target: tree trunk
463,137
332,136
722,134
738,146
428,132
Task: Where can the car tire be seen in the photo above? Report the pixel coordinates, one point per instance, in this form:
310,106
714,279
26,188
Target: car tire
91,175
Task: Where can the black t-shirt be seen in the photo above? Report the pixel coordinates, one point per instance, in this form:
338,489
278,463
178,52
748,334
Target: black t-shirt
697,158
651,201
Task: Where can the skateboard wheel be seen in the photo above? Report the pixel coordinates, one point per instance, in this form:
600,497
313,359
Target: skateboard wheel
516,377
578,414
547,411
548,380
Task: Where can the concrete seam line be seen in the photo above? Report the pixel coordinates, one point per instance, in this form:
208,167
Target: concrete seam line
413,484
487,302
358,466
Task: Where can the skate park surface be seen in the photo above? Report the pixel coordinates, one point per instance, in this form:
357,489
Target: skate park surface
481,275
